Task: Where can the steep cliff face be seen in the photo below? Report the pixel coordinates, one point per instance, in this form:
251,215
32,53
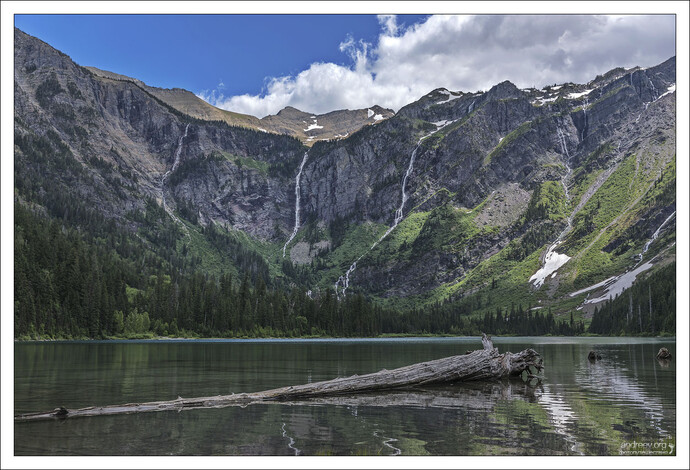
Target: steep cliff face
504,142
234,176
457,196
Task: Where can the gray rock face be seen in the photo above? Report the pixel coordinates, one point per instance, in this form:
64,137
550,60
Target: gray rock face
120,123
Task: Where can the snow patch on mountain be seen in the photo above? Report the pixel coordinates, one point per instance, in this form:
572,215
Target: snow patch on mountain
573,96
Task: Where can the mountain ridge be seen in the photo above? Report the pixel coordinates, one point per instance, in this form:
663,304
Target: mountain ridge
458,199
289,121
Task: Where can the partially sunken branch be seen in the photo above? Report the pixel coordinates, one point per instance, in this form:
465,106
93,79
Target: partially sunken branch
483,364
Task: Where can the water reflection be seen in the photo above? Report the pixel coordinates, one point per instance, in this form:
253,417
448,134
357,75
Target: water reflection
561,416
608,380
580,408
468,396
665,363
291,444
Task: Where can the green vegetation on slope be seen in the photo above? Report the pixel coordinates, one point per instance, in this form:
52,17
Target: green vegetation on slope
547,202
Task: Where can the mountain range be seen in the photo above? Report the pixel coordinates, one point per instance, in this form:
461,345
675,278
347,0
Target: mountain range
307,127
556,199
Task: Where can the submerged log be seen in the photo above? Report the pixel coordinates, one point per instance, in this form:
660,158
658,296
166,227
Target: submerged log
482,364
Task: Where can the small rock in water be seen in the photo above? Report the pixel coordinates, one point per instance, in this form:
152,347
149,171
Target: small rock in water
663,354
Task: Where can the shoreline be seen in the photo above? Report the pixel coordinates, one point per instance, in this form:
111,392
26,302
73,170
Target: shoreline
167,339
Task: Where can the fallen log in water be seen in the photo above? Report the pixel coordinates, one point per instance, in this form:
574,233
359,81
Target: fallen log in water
482,364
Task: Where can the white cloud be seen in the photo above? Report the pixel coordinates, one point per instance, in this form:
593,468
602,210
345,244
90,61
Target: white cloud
466,53
389,23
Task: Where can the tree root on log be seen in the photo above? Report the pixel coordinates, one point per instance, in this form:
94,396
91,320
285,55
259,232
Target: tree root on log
482,364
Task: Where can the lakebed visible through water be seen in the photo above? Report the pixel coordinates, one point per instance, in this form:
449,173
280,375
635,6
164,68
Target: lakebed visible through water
624,404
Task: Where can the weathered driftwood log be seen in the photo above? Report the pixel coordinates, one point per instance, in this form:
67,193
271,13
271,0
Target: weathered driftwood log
482,364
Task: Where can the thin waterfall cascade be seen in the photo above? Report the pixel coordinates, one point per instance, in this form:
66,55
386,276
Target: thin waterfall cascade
568,169
404,197
471,107
584,111
552,259
176,163
655,235
297,203
178,152
653,88
343,282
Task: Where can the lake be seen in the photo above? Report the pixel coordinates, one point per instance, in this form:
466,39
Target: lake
624,403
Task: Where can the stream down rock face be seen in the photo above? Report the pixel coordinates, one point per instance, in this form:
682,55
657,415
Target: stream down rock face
503,143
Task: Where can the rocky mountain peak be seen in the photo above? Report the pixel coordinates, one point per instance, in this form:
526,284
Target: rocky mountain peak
504,90
290,111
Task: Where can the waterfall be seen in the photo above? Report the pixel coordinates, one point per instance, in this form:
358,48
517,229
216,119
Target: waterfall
568,170
404,197
297,200
655,235
178,152
471,107
562,141
584,110
653,87
552,259
176,162
343,282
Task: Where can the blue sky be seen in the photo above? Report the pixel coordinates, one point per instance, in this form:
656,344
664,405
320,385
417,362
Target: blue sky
197,52
258,64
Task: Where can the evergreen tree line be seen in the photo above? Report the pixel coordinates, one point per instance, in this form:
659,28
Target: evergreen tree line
646,308
69,287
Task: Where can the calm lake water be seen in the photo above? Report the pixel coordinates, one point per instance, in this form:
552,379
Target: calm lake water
579,408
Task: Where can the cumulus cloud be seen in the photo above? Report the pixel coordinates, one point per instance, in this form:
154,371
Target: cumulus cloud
463,53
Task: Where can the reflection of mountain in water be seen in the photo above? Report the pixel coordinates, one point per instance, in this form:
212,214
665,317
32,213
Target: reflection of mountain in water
609,380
